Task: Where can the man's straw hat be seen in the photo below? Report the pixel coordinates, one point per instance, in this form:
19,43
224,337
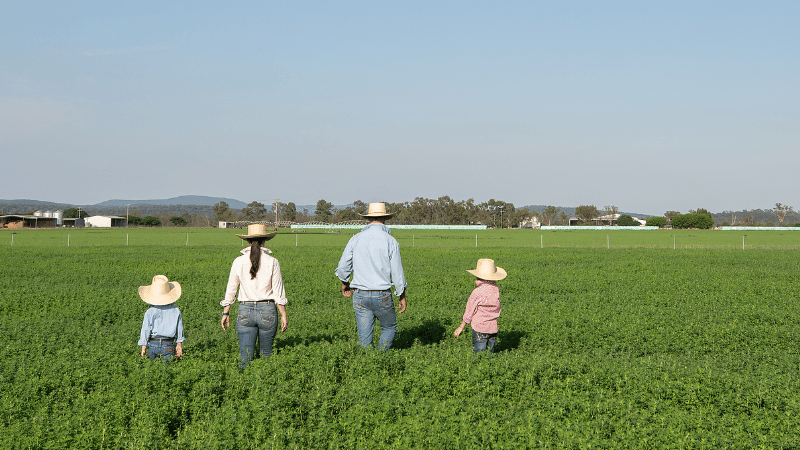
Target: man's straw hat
257,231
486,270
161,292
377,210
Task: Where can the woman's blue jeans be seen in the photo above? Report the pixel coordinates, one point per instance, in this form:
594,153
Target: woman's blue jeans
369,305
256,320
483,341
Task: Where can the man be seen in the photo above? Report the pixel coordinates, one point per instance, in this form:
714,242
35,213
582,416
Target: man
373,258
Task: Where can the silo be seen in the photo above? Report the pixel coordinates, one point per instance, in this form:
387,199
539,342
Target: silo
59,215
48,214
37,213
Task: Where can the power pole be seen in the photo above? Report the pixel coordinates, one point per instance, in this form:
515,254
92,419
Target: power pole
276,213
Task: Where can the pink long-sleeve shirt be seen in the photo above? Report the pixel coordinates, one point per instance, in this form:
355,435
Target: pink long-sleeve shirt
483,307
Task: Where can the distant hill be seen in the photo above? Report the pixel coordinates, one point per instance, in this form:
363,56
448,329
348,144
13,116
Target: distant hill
198,200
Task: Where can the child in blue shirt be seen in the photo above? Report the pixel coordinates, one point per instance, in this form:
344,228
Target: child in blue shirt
162,327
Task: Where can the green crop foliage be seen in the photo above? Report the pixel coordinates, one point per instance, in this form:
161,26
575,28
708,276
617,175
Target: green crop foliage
607,340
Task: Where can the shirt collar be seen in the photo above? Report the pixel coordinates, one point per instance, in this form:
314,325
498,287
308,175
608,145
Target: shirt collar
379,225
264,250
480,283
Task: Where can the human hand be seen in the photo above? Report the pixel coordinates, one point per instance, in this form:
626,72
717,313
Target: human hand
284,323
144,351
179,350
346,291
458,330
225,322
401,305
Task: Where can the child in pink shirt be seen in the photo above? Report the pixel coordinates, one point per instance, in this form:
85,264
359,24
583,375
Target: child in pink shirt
483,306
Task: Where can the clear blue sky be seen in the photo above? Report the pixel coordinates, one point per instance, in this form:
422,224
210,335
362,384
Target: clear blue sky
647,106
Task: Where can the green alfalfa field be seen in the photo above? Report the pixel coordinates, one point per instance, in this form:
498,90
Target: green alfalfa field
623,339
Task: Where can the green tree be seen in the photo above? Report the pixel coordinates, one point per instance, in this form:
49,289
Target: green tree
586,213
550,214
656,221
782,211
324,211
288,212
151,221
254,211
75,213
693,220
669,215
626,220
178,221
223,213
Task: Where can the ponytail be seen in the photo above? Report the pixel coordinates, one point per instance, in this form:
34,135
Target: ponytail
255,256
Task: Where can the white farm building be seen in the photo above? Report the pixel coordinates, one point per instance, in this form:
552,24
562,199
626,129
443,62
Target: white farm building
106,221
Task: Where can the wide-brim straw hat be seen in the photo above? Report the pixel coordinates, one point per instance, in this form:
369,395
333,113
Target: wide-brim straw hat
377,210
257,231
161,291
486,270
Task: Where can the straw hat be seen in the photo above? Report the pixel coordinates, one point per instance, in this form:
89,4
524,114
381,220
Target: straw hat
161,292
377,210
486,270
257,231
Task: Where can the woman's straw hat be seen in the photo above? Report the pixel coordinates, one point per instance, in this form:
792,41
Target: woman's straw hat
486,270
377,210
257,231
161,292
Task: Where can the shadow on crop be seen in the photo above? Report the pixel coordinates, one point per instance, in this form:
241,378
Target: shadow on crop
294,341
509,340
429,332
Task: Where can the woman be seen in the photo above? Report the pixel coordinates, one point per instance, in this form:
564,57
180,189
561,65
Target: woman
257,276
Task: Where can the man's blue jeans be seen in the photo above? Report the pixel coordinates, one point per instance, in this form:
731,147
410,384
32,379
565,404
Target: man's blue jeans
165,350
369,305
256,320
483,341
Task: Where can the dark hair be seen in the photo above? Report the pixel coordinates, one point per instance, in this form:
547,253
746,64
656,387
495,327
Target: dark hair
255,256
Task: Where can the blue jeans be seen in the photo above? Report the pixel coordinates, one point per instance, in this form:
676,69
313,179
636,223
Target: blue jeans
256,320
369,305
482,341
165,350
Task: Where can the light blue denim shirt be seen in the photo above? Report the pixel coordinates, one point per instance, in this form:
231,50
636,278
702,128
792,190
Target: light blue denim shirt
373,257
163,321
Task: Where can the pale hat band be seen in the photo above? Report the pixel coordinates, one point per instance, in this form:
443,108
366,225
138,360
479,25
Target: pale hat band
257,231
486,270
161,292
376,210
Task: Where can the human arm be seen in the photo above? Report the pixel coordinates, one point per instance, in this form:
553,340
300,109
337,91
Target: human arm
230,296
345,268
284,318
147,328
402,303
346,291
225,321
460,328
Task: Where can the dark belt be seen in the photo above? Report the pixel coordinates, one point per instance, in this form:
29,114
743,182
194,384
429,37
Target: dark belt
379,290
167,340
261,301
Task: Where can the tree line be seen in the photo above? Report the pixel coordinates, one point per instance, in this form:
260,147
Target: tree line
421,211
